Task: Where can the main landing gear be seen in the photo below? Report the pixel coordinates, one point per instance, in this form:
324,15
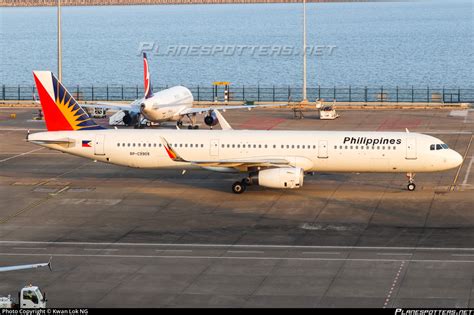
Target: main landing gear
192,119
240,187
411,181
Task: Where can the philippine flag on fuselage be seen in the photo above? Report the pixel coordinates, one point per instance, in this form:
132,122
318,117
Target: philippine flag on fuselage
86,143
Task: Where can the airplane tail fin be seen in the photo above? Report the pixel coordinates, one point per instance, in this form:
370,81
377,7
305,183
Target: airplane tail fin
61,111
146,77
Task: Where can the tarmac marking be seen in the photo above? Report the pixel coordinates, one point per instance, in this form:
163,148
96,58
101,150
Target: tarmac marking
468,172
21,154
463,255
460,166
462,249
30,248
245,251
241,258
395,254
175,250
394,284
321,253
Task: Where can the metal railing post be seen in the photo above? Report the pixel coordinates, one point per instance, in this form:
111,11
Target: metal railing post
365,92
92,92
319,92
137,91
350,94
428,94
122,93
3,91
198,95
258,93
19,92
243,92
273,93
459,95
397,93
107,92
412,94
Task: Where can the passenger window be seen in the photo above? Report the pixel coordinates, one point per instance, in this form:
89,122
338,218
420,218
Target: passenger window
238,146
202,145
265,146
303,146
297,146
274,146
352,147
314,147
118,144
335,147
383,148
346,147
233,146
134,144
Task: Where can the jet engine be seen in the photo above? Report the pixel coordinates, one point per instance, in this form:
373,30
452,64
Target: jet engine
130,118
280,177
211,119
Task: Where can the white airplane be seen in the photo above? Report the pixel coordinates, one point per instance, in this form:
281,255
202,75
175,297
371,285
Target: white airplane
172,104
276,159
22,267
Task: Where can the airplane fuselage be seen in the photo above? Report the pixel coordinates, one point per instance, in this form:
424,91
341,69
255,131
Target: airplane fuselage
318,151
166,105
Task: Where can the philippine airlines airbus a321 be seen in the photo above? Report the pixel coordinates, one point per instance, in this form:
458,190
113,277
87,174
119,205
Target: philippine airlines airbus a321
275,159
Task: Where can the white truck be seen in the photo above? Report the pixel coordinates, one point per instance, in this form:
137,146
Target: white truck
29,297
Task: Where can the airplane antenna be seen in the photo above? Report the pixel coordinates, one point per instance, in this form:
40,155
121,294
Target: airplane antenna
406,129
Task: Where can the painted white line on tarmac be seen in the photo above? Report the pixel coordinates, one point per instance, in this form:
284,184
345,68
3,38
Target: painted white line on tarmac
468,172
241,258
21,154
242,246
30,248
245,252
395,254
321,253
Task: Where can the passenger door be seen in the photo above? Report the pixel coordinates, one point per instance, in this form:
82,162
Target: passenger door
214,150
411,148
99,145
322,149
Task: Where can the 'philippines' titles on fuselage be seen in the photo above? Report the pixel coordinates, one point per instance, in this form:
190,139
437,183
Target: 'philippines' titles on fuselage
371,141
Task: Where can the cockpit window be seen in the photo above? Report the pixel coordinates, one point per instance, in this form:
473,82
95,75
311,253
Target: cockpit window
438,146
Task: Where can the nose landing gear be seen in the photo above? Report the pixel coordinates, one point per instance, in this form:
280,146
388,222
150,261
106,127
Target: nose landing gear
411,181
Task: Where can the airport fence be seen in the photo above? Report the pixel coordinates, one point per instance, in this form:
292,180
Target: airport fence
251,94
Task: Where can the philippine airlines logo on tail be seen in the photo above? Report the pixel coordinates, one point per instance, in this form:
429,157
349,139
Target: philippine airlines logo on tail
61,111
146,77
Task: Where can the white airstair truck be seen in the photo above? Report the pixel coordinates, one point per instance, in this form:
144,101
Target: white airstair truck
29,297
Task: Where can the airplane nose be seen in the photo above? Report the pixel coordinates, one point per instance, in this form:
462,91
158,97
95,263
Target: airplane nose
456,158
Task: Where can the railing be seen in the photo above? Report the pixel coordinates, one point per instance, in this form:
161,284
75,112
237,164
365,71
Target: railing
261,93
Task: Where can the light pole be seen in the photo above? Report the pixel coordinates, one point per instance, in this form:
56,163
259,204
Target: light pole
59,43
305,98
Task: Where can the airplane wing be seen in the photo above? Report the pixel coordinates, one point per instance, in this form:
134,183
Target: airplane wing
107,105
200,110
22,267
237,164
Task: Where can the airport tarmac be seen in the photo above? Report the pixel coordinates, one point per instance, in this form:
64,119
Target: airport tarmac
122,237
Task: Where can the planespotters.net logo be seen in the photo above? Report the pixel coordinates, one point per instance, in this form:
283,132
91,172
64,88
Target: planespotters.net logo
152,48
401,311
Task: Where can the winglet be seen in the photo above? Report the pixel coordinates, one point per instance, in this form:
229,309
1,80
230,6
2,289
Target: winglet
224,124
171,153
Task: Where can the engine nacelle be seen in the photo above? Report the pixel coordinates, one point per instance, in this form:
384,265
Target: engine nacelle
130,118
211,119
281,177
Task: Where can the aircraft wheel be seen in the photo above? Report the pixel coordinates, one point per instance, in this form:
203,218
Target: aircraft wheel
196,127
190,127
238,187
411,186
